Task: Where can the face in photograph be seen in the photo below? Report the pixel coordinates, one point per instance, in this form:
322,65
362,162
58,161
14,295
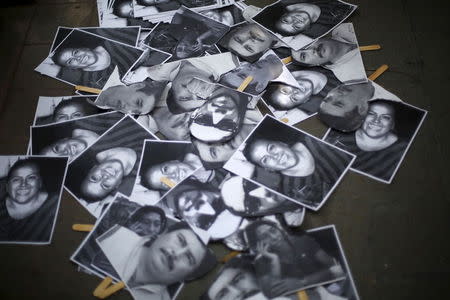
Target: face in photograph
323,52
233,282
189,46
136,98
65,147
82,58
222,16
173,256
221,152
346,106
196,206
248,199
174,170
220,118
123,8
186,93
297,18
262,71
283,97
72,109
380,120
278,156
249,41
172,126
151,2
147,221
24,183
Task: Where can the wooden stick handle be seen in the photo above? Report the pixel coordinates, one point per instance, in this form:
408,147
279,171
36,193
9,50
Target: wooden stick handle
286,60
245,83
111,290
102,286
370,47
378,72
82,227
167,182
87,89
229,256
301,295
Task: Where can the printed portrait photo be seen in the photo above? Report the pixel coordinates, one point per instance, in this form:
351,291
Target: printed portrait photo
108,166
299,22
88,60
70,138
294,103
382,140
151,265
30,193
228,15
163,165
290,162
338,51
59,109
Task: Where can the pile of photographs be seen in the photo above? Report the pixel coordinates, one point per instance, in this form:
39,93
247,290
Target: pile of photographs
173,153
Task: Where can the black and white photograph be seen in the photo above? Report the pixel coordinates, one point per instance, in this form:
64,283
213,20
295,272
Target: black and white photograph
249,41
151,266
189,34
290,162
64,108
197,200
86,59
70,138
269,67
228,15
382,140
221,117
345,107
145,221
108,166
338,52
30,195
299,22
248,199
294,103
125,35
214,155
287,261
137,98
162,160
118,13
145,8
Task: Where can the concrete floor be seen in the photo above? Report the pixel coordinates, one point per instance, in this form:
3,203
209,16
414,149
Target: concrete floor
396,237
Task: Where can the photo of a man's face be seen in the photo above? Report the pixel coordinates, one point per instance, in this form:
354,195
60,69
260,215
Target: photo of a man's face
249,40
233,283
66,147
24,184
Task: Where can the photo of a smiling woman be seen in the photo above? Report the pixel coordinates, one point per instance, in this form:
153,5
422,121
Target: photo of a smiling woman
29,197
382,139
290,162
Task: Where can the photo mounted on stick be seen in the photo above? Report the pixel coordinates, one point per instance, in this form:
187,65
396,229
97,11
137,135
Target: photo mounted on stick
30,195
163,165
299,22
154,266
290,162
382,140
108,166
338,52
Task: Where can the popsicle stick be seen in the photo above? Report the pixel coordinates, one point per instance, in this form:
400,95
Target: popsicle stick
286,60
102,286
82,227
301,295
370,47
245,83
111,290
87,89
378,72
285,120
229,256
167,182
